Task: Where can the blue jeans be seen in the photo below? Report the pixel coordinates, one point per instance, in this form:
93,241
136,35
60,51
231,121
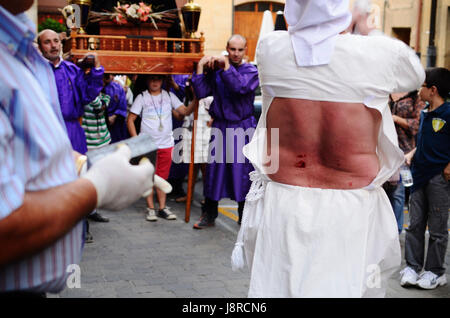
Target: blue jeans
396,195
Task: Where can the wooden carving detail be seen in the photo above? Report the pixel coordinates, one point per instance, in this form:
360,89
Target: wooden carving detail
140,55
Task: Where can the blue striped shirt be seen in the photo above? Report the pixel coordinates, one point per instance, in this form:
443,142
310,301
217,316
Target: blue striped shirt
35,152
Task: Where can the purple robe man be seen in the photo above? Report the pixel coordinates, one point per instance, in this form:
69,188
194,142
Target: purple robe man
75,87
233,84
117,109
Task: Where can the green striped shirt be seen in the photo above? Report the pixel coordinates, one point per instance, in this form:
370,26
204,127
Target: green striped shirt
94,122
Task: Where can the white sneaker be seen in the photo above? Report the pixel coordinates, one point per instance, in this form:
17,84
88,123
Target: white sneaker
166,214
429,280
408,277
151,215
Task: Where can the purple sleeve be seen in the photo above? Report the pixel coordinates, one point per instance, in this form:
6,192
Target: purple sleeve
118,103
241,83
202,86
90,85
122,105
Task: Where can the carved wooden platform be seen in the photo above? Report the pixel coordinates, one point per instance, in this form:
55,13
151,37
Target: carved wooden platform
134,54
112,28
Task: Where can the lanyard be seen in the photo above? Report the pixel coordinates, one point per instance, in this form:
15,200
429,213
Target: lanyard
161,127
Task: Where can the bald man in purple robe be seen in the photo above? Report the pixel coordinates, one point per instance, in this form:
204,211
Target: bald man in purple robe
232,83
75,87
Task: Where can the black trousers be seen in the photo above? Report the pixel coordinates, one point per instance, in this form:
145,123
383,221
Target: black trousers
211,209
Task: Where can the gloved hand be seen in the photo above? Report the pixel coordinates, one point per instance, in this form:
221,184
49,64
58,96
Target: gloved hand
158,181
118,183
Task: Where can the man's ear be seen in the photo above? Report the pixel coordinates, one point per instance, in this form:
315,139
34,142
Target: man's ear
434,90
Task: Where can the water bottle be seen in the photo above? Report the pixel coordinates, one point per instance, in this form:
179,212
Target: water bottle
406,176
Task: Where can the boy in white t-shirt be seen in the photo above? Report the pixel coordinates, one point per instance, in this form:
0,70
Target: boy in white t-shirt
155,107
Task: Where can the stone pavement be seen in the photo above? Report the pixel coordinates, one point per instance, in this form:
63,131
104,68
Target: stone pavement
131,257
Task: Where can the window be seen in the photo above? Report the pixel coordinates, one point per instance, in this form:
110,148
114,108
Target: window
263,6
260,6
277,7
246,7
403,34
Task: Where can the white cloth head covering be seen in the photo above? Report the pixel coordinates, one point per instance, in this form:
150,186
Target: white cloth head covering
363,6
314,26
267,26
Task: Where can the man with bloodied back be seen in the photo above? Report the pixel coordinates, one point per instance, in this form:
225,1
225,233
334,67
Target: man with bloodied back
321,225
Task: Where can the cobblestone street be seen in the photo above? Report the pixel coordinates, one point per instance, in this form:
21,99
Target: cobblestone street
133,258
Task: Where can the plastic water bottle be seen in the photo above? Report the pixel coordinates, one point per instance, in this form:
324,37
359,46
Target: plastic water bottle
406,176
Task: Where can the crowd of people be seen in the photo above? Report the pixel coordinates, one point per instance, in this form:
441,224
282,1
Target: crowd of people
310,228
98,110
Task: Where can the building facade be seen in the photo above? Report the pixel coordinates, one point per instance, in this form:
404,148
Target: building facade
408,20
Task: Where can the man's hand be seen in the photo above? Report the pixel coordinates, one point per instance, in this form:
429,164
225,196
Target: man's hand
80,161
409,156
76,155
222,62
112,119
117,182
97,61
170,83
213,63
447,172
205,62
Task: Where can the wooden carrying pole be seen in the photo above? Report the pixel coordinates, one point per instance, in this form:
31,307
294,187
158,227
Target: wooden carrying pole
191,180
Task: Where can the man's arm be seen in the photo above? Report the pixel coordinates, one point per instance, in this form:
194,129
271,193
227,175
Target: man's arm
117,107
136,108
201,81
186,111
240,83
130,124
408,70
411,122
122,107
177,115
409,156
44,217
90,85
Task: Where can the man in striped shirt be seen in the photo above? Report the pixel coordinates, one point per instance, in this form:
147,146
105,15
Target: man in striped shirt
97,135
94,122
41,199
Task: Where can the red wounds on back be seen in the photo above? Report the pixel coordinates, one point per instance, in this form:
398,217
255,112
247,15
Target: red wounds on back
300,164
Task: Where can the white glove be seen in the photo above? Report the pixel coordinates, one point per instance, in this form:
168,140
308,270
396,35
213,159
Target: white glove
159,182
118,183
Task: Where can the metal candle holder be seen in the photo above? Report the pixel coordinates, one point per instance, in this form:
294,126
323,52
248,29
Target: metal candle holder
191,16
